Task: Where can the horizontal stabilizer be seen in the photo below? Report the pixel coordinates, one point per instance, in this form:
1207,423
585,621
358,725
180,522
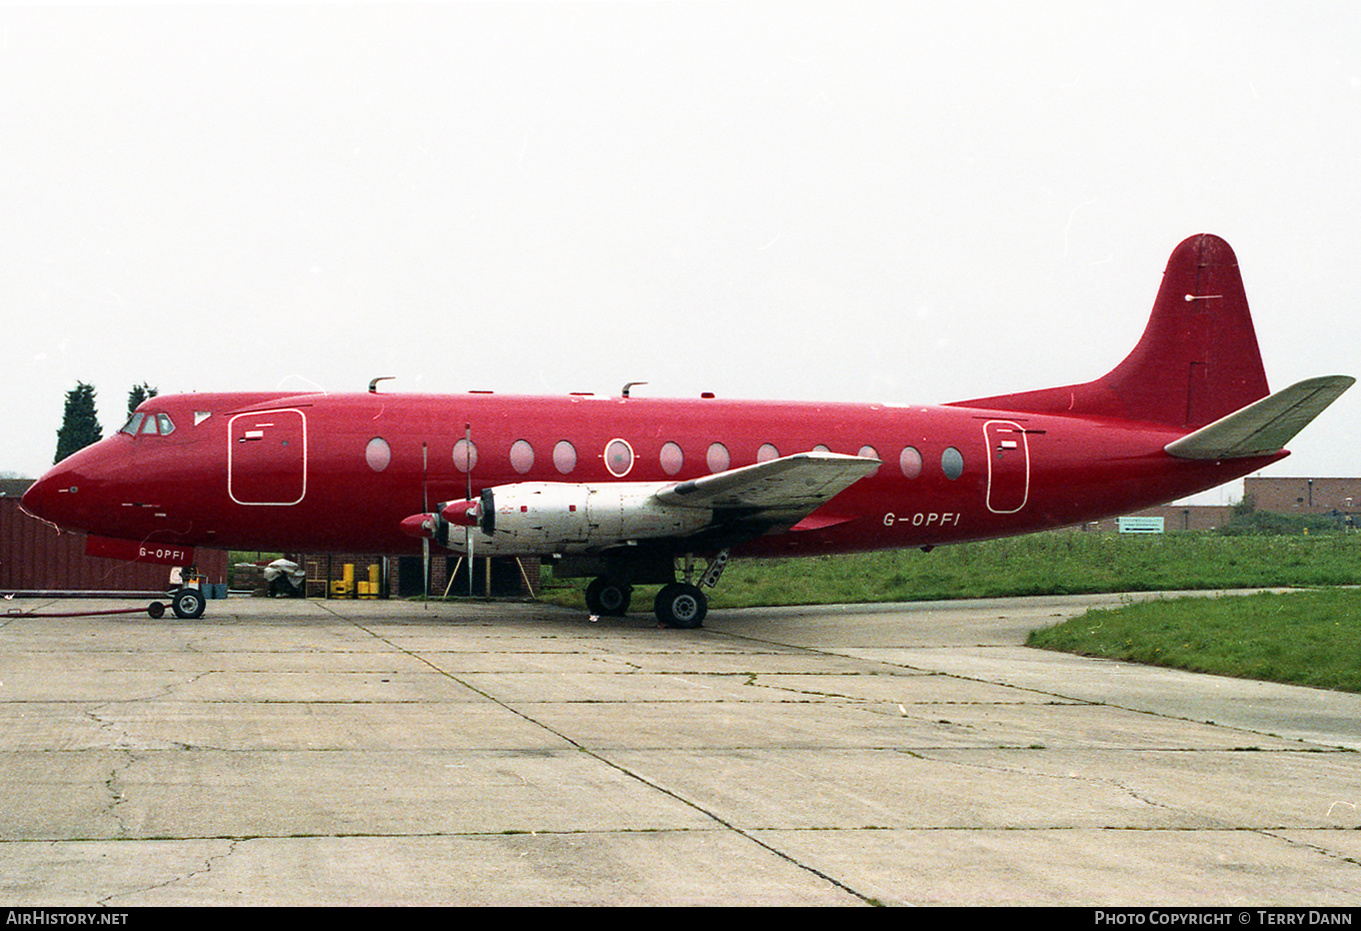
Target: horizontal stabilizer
1265,426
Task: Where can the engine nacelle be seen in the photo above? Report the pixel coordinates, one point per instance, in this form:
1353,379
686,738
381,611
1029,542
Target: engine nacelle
538,518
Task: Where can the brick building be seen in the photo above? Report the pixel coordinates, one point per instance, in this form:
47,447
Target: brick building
1300,496
1294,497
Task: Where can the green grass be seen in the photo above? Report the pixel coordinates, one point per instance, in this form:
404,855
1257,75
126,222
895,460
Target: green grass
1042,564
1307,638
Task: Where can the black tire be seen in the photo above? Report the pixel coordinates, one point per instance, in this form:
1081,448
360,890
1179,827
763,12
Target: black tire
156,609
680,605
608,598
188,603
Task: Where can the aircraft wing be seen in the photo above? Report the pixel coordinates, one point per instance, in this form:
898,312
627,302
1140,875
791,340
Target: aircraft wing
787,488
1265,426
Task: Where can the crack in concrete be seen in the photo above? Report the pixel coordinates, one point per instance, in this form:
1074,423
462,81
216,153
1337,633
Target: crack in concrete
113,786
1033,773
1315,848
629,773
208,864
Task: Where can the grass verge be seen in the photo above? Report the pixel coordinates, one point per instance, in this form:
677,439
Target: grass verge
1059,563
1306,638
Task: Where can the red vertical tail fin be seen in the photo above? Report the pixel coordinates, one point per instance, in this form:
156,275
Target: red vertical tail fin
1196,362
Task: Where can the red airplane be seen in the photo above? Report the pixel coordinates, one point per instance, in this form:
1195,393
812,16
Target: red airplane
622,488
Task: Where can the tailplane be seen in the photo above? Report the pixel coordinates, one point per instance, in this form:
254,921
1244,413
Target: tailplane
1196,362
1265,426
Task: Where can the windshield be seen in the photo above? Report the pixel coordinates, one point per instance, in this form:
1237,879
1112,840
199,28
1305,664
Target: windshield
148,425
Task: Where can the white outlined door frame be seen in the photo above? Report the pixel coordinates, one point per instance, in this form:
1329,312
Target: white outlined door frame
1008,466
267,457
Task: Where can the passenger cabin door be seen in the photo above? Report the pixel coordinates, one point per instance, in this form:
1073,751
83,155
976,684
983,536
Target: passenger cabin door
267,457
1008,466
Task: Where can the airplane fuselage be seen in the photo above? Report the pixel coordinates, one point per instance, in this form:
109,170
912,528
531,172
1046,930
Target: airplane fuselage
336,473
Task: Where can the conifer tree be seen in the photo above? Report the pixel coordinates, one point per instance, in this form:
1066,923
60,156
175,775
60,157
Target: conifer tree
140,393
79,422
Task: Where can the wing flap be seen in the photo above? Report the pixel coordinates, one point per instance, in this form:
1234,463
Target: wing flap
1265,426
791,485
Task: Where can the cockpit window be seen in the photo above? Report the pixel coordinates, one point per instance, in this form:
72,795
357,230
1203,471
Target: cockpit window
149,425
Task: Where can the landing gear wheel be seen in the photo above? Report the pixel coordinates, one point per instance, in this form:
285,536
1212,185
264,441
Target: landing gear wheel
187,603
681,605
156,610
608,598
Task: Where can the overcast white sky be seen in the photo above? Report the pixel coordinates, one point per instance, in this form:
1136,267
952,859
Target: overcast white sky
854,201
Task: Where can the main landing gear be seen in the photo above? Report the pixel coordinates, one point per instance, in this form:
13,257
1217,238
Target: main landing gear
607,597
679,604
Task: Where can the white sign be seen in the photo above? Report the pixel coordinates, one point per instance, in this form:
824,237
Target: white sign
1140,524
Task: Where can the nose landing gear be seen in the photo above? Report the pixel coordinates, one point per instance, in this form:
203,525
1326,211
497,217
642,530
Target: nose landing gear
187,603
186,599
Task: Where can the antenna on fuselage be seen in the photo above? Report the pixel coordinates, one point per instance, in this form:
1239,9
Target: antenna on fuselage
373,385
628,385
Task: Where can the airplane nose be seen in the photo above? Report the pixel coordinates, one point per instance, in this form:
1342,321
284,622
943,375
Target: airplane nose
33,499
53,498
